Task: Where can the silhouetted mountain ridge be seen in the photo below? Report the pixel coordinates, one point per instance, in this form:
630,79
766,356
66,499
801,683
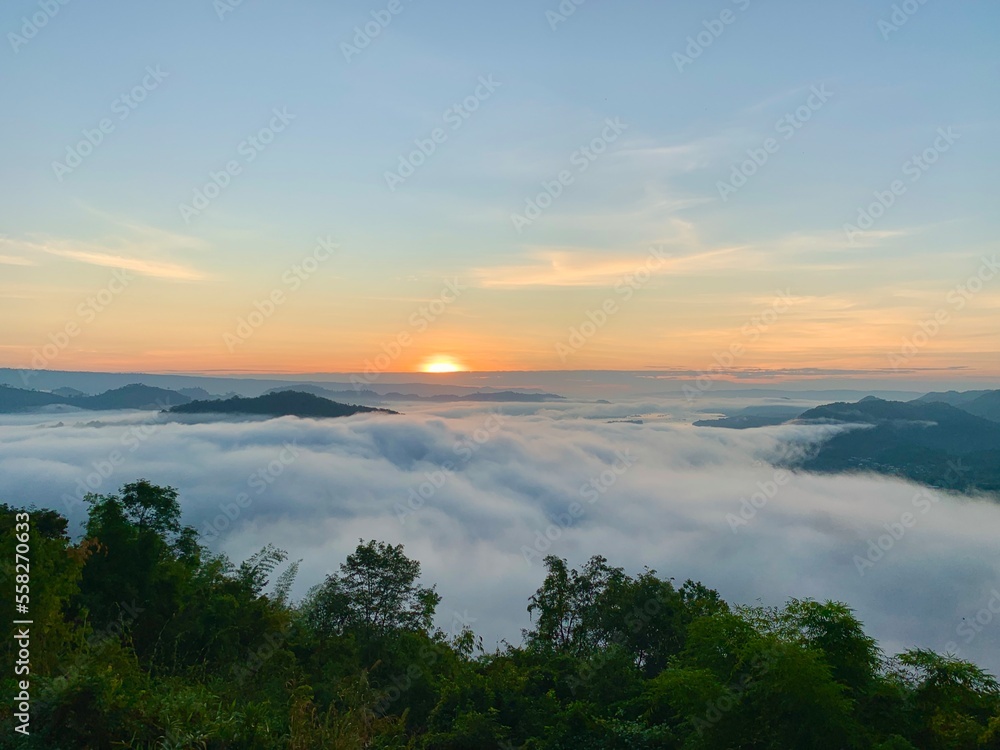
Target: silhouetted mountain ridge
279,404
927,441
367,396
135,396
985,404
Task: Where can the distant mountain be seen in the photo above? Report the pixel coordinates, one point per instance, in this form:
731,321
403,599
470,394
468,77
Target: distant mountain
366,396
197,394
363,396
129,397
819,396
133,396
491,396
986,406
955,398
931,442
68,392
931,425
741,421
279,404
18,399
753,416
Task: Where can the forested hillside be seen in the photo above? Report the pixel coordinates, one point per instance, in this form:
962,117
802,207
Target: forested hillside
144,639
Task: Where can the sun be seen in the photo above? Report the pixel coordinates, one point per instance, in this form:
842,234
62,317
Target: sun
441,363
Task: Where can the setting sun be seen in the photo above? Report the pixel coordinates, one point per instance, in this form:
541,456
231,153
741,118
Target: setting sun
441,364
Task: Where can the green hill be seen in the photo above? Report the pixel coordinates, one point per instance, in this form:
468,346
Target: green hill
929,442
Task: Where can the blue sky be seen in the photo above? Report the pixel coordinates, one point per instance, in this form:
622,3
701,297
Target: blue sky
656,184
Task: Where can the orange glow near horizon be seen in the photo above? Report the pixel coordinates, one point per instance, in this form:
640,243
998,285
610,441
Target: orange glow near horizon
440,363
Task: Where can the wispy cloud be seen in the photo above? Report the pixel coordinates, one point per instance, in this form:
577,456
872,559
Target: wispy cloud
782,373
156,269
678,157
12,260
587,267
153,236
134,247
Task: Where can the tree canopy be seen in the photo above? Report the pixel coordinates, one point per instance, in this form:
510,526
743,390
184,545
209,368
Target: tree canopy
144,639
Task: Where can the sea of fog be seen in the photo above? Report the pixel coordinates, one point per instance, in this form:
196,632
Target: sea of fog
480,493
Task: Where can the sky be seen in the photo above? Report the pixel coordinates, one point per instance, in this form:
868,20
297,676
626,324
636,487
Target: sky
411,185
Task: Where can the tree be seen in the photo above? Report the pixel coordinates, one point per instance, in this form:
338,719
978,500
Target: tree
141,504
45,572
955,700
557,612
143,565
598,608
831,627
374,594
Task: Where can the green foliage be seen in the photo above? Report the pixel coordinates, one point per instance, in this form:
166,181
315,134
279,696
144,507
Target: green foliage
374,594
145,640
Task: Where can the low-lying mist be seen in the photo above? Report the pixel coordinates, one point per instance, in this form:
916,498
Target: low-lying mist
480,494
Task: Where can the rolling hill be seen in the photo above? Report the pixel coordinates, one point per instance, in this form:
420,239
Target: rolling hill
927,441
985,404
279,404
367,396
133,396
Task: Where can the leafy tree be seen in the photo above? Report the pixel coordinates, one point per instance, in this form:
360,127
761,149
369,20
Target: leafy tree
955,700
832,628
48,574
143,563
143,639
600,607
374,594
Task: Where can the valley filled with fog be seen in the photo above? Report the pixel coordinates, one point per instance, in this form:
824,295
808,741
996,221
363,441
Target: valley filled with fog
481,492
